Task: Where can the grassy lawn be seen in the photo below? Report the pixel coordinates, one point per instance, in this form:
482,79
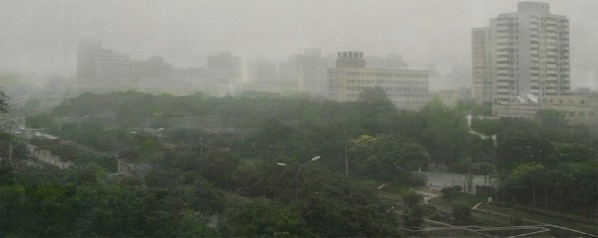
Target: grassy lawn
397,189
479,218
447,202
541,218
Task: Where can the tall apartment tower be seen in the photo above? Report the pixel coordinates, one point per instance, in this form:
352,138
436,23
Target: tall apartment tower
87,49
521,56
224,67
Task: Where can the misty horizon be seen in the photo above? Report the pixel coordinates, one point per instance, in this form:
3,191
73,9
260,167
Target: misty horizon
40,37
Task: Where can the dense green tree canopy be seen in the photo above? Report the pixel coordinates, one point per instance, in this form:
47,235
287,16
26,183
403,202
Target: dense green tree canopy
212,165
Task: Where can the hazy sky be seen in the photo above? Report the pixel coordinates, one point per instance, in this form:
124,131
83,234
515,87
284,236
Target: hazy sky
41,35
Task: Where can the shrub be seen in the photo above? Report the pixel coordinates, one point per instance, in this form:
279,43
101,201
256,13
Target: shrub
462,214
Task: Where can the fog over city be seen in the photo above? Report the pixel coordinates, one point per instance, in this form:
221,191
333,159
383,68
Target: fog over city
39,37
298,118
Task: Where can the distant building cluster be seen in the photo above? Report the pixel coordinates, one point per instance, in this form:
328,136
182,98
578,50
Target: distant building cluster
340,78
520,65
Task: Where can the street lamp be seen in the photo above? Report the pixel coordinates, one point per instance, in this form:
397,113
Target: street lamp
297,173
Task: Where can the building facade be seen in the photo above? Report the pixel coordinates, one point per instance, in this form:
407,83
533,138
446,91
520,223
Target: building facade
112,66
307,71
87,49
575,109
407,89
152,68
391,61
521,55
261,70
224,67
101,70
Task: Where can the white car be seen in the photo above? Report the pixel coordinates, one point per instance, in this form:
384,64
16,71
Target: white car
37,134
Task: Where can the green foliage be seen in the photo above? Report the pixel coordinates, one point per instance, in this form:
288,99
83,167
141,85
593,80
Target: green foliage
413,218
444,133
6,173
387,158
262,217
450,192
412,199
214,171
573,153
552,118
218,167
523,148
3,101
462,214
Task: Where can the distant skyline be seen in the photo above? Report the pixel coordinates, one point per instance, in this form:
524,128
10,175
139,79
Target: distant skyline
40,36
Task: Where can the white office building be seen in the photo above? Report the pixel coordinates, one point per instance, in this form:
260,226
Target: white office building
521,57
407,89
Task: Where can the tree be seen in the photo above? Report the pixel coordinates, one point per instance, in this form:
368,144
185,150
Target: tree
412,199
3,101
573,152
552,118
262,217
443,133
523,148
485,169
462,213
218,167
375,110
414,157
530,175
413,214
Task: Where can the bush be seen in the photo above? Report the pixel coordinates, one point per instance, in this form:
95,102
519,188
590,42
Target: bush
462,214
451,191
413,218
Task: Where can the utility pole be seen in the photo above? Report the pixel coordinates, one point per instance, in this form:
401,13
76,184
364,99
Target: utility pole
346,161
10,143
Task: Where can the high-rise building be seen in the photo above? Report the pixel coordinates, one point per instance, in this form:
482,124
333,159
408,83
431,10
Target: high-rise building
307,71
261,70
111,66
480,57
407,89
100,70
87,49
152,68
522,56
224,67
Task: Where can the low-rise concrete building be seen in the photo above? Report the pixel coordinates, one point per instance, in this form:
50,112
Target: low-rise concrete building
576,109
407,89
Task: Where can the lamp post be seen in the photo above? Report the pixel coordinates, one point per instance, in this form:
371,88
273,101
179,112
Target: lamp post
297,173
